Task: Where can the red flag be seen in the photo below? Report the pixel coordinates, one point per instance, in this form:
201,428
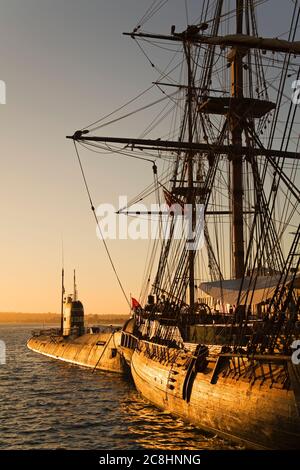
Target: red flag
172,200
134,303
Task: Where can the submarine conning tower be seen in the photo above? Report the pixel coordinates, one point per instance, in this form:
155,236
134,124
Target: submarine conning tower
72,313
73,319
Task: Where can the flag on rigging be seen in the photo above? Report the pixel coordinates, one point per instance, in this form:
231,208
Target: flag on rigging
172,200
135,304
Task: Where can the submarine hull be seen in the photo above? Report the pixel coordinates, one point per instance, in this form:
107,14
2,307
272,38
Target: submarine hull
97,351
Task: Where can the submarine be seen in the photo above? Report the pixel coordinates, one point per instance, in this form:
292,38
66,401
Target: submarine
74,343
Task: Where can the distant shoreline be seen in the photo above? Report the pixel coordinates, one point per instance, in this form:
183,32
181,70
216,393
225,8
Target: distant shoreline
54,318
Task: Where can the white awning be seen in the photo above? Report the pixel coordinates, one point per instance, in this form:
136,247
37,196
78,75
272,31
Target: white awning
261,289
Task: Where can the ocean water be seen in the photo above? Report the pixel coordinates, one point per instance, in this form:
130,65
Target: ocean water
48,404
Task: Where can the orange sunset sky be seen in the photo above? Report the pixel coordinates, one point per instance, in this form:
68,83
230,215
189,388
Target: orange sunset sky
65,64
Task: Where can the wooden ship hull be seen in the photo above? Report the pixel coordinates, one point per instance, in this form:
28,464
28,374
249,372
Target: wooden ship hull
251,402
98,351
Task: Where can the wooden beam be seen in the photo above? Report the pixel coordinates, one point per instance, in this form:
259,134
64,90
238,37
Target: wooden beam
231,40
168,145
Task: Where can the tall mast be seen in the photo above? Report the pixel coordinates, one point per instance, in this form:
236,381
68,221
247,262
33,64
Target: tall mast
236,127
190,193
237,109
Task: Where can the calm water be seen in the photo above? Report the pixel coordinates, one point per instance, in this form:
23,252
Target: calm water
48,404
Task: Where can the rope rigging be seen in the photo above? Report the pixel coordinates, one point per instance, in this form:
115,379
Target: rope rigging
270,188
98,225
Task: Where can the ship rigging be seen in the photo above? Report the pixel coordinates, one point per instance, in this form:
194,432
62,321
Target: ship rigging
223,318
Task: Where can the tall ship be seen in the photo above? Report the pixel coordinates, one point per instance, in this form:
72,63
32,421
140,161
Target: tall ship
214,335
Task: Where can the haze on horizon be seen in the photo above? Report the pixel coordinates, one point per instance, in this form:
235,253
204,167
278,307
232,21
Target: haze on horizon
65,64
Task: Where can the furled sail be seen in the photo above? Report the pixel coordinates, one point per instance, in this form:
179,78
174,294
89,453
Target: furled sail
254,290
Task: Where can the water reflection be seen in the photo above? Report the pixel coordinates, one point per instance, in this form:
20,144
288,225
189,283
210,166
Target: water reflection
50,404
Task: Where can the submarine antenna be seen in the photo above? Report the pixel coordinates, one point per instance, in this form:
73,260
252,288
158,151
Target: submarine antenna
75,287
62,292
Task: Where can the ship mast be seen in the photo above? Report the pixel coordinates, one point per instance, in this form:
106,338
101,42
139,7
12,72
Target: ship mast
239,112
236,127
190,191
